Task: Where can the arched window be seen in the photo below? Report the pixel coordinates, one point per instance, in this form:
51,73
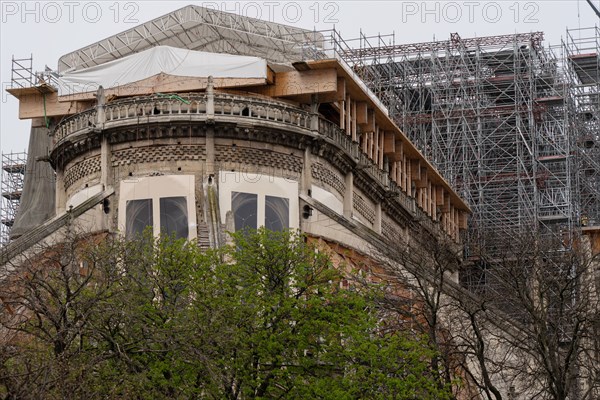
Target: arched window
244,207
277,213
174,217
139,216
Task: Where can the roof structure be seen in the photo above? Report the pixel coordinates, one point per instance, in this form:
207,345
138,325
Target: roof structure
198,28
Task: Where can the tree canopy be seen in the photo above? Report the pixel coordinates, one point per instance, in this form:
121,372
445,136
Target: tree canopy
148,318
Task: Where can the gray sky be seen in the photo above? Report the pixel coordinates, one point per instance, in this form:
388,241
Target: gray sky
51,29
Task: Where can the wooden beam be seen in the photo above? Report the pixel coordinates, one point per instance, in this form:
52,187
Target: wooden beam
348,123
370,127
294,83
405,173
341,89
164,83
329,97
376,146
424,181
433,193
399,153
362,118
440,195
381,144
389,145
446,206
270,76
343,115
463,220
32,106
415,169
353,120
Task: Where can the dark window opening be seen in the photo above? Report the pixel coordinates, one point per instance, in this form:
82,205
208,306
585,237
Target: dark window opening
277,213
138,216
174,217
244,207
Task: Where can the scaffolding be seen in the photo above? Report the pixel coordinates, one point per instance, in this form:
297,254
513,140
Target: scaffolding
11,187
491,114
582,60
511,125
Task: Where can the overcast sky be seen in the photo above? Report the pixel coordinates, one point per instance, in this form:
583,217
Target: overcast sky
48,30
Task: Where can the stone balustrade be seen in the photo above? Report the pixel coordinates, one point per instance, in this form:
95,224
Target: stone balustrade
195,107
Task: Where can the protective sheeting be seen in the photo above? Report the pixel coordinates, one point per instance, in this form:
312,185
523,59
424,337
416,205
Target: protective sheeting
161,59
37,200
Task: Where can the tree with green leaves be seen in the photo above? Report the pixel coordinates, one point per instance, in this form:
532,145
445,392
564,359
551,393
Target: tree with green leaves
150,318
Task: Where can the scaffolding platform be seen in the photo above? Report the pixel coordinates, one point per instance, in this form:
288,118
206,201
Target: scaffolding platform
552,100
11,188
14,168
586,67
12,195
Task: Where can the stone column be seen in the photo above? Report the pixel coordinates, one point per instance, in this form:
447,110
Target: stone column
377,222
105,153
210,132
349,195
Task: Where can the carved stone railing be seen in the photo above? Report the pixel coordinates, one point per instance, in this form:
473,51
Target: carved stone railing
189,105
75,123
239,106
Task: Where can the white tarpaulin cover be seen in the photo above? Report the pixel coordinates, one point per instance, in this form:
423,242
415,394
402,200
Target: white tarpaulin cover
161,59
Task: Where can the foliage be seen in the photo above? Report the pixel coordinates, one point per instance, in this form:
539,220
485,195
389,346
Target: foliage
160,318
